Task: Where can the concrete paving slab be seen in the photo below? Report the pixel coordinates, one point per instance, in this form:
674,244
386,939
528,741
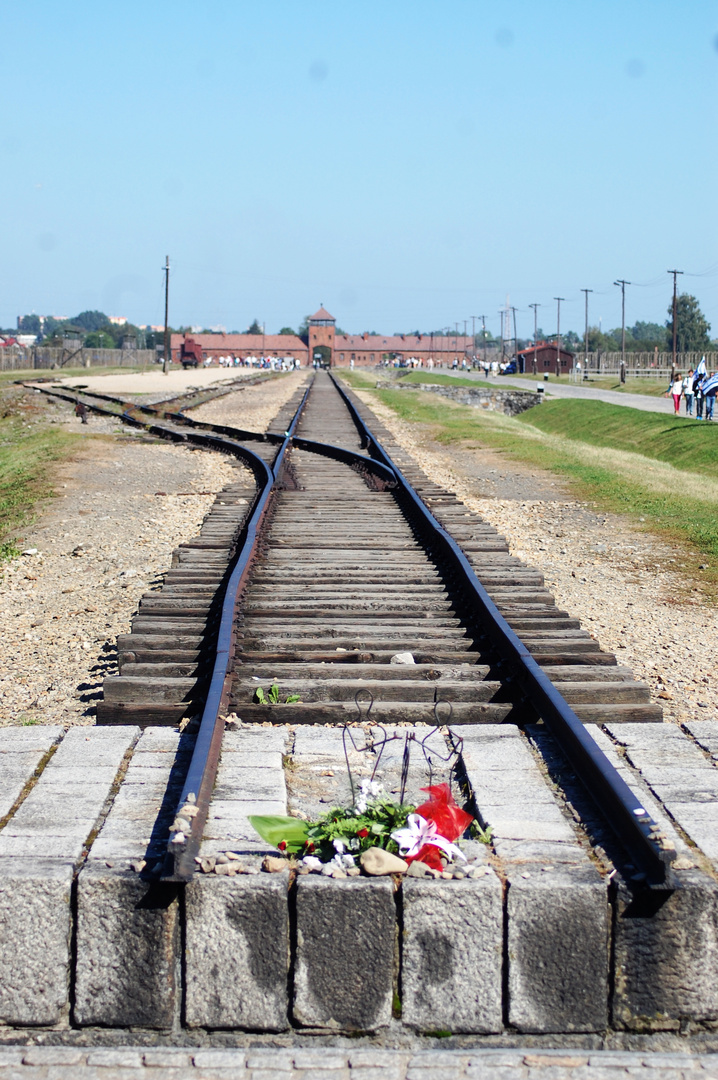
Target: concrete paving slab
128,936
21,752
237,952
706,734
34,940
558,951
452,948
346,942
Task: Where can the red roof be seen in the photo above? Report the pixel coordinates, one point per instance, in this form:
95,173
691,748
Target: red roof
541,346
321,314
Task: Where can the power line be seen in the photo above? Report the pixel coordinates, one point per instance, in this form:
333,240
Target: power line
675,321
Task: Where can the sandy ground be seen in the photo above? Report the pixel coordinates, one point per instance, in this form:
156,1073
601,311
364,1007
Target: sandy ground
624,585
177,381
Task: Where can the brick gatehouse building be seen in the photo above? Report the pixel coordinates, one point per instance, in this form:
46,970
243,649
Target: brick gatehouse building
366,350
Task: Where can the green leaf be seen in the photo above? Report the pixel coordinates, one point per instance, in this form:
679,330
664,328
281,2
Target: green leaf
259,696
291,698
274,694
275,829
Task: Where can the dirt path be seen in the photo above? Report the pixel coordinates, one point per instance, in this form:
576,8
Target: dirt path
624,585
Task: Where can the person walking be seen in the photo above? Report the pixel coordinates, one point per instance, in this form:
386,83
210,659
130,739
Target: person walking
710,386
698,393
688,392
676,391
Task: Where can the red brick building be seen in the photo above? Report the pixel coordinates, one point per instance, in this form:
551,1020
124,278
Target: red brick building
243,346
546,353
366,350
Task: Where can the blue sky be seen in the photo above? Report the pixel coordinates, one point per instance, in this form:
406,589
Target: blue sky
409,165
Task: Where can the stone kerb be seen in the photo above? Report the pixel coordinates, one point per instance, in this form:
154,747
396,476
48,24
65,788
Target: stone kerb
510,402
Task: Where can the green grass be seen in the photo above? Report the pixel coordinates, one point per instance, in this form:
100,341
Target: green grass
608,455
437,379
685,443
26,457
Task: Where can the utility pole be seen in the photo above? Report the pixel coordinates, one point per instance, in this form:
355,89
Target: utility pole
675,320
558,334
483,333
585,335
535,307
165,365
623,284
516,340
502,313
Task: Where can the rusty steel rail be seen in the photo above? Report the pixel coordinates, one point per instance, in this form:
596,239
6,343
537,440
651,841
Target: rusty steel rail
194,802
623,812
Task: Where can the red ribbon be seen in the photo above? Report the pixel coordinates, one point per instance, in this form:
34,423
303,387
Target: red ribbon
450,820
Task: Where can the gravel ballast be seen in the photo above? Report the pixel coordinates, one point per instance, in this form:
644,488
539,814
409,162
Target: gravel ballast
97,547
254,408
624,585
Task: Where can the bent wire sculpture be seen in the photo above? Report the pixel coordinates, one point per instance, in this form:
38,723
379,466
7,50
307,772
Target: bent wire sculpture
409,738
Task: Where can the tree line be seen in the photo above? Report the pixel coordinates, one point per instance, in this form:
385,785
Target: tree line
692,332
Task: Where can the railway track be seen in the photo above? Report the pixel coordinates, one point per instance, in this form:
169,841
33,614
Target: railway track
343,563
329,562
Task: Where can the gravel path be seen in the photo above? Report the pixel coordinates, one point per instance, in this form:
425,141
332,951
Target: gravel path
254,408
623,584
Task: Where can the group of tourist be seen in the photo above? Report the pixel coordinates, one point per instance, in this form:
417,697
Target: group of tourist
274,363
699,386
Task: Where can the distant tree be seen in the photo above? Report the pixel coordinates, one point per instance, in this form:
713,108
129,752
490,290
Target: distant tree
91,320
603,342
648,334
303,331
254,328
691,324
286,330
98,339
571,341
29,324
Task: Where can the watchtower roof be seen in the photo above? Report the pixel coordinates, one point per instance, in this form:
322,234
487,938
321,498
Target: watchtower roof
322,316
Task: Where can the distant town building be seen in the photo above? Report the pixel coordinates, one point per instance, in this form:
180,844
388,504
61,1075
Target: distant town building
117,320
42,319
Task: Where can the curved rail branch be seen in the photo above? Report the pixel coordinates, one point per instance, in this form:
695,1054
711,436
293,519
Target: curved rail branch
201,775
624,813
